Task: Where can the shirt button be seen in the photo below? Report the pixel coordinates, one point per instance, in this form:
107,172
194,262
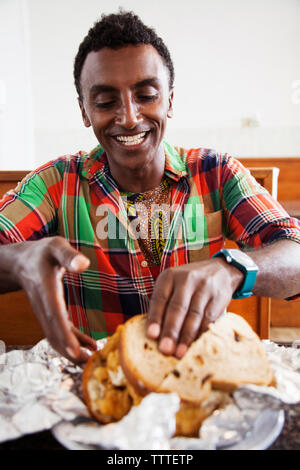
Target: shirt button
144,264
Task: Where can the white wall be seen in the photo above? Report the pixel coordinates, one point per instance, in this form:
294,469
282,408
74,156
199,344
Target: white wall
234,59
16,100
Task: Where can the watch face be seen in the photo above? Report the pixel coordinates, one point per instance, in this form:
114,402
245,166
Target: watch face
242,258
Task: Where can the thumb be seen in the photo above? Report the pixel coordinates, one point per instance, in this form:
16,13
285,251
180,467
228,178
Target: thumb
68,257
78,263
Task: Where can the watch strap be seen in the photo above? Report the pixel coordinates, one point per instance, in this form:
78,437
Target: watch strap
245,290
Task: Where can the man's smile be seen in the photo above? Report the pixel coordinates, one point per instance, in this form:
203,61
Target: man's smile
132,140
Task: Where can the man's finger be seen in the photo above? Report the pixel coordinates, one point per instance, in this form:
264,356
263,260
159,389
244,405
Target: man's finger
57,336
176,311
192,323
81,357
85,340
213,311
158,303
67,256
55,310
78,263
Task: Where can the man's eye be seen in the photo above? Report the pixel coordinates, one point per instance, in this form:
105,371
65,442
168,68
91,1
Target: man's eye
106,104
148,97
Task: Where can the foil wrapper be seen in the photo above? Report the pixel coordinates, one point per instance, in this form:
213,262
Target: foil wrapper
41,390
38,389
148,426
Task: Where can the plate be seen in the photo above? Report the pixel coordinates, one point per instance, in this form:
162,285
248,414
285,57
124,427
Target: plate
265,431
267,427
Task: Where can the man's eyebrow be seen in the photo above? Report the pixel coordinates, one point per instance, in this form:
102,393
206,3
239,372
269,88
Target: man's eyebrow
108,88
146,81
101,88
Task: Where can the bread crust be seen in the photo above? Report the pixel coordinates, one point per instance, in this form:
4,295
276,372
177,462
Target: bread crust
135,374
99,361
139,385
93,362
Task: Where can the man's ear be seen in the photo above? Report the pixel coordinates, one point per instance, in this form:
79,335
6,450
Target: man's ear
85,117
170,110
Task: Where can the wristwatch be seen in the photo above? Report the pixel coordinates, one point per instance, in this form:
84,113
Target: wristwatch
244,263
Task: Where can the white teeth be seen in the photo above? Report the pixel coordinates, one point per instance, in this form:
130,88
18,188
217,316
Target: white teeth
131,139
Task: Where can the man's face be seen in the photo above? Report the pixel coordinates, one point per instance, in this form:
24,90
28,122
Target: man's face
126,99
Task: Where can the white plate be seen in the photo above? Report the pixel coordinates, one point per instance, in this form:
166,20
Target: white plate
266,429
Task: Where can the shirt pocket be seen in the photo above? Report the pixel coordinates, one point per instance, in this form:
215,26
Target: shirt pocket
208,237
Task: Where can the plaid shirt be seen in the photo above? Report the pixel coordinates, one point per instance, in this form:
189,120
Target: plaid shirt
213,197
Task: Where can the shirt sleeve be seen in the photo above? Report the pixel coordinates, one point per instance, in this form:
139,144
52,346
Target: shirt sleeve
29,212
252,217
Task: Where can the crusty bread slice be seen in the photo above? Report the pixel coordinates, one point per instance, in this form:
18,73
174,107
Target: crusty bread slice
144,366
234,354
191,378
229,354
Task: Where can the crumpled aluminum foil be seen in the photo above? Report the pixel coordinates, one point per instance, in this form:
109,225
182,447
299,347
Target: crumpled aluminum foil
132,431
37,391
40,390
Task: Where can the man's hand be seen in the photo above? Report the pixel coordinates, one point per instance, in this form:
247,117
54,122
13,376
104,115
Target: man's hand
39,267
186,299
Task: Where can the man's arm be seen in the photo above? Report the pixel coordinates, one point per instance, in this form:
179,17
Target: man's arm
279,269
38,268
8,281
187,298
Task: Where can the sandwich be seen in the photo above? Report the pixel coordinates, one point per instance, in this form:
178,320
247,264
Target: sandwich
130,366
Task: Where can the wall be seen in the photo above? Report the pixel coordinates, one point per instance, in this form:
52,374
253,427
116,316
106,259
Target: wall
237,64
16,99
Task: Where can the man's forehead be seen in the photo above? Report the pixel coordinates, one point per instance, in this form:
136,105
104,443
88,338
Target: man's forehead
129,63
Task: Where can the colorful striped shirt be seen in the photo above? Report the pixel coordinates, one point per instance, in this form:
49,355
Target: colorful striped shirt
212,197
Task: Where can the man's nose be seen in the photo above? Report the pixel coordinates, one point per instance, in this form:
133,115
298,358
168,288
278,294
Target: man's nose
128,115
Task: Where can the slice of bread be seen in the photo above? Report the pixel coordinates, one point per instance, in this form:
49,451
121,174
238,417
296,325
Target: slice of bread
234,354
191,379
143,364
227,355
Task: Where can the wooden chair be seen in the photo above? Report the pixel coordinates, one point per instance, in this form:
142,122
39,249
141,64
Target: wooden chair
18,323
257,310
19,326
267,177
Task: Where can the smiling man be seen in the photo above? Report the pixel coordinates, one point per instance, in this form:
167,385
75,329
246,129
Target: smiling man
126,97
137,225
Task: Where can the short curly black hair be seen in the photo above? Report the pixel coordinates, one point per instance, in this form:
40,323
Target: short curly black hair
115,31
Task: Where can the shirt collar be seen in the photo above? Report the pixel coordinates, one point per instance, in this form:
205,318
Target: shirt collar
175,166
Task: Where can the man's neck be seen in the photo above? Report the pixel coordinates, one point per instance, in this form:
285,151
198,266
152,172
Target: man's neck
141,179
